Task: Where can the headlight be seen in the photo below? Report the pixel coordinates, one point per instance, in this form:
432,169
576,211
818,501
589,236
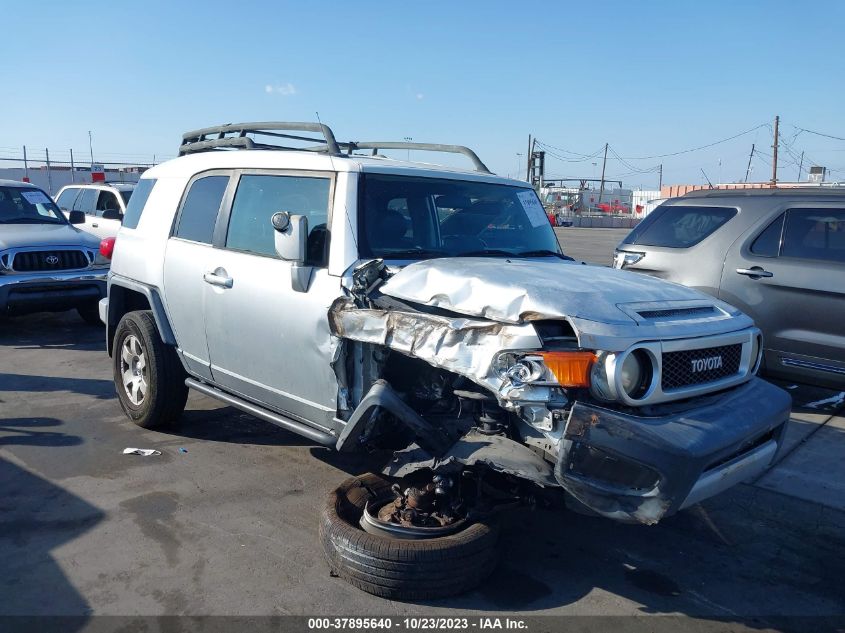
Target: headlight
599,385
517,370
621,259
635,374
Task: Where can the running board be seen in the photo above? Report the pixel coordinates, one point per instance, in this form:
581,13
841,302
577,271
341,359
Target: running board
268,416
804,364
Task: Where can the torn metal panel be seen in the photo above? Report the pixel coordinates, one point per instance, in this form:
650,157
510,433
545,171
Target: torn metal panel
494,451
460,345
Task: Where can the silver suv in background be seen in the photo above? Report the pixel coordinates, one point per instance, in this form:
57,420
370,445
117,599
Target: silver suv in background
46,263
777,254
102,203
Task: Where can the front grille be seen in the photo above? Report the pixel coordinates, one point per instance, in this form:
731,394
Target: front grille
697,366
676,312
45,261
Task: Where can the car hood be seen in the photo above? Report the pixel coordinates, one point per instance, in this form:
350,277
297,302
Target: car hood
517,290
49,235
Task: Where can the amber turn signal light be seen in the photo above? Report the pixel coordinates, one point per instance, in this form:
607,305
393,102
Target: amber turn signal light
572,369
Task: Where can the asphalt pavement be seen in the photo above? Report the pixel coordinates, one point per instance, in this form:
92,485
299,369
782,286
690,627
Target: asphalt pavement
224,521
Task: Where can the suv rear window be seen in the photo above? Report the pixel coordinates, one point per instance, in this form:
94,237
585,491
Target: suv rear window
679,226
137,202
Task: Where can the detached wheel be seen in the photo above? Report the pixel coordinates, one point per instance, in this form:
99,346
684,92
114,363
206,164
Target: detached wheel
410,568
90,313
148,376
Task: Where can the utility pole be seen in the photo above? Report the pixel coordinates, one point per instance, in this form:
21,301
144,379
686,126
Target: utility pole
800,165
49,176
530,156
660,177
25,166
603,165
775,155
748,169
72,168
91,147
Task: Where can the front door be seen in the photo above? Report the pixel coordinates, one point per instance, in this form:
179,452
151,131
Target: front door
790,278
267,341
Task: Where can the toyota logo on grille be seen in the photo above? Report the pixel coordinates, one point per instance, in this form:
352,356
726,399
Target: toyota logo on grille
52,260
706,364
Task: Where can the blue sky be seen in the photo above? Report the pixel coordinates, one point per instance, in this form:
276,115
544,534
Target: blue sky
649,78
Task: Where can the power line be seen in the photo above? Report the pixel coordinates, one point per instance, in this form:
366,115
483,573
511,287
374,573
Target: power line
695,149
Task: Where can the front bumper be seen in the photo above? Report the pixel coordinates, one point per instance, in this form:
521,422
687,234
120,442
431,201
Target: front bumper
61,290
640,469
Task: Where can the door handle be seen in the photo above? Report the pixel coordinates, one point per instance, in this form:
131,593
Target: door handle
218,280
95,225
755,272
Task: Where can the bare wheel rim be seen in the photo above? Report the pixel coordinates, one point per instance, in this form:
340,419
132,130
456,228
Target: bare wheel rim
134,372
372,524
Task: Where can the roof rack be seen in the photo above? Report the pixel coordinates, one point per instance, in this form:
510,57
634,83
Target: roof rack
234,136
427,147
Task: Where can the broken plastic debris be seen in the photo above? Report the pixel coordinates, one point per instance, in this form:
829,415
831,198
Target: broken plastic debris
144,452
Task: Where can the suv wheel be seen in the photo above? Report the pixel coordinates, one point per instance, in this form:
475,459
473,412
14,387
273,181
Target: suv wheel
403,568
148,376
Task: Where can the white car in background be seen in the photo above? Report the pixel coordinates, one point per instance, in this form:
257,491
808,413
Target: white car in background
102,203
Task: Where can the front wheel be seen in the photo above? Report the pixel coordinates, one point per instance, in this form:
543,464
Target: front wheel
407,568
148,376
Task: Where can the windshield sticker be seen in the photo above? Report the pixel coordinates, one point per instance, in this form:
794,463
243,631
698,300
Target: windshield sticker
35,197
533,209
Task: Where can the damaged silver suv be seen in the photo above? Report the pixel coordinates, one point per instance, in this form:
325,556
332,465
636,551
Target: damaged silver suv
372,304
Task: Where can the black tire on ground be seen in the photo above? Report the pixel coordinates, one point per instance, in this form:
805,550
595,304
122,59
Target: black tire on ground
397,568
90,313
166,392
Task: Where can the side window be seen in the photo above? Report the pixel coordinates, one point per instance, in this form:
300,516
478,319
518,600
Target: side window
137,201
200,208
817,234
259,197
67,198
107,200
86,201
767,243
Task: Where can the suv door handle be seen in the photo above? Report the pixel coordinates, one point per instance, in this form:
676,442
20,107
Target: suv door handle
217,279
755,272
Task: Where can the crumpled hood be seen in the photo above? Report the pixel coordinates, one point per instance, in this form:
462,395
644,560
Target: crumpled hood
49,235
515,290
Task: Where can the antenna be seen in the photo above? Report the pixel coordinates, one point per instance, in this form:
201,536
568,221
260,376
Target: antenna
345,209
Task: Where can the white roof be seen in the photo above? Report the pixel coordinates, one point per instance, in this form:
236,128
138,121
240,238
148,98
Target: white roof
16,183
186,166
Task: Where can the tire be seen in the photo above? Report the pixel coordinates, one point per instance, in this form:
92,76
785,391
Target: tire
163,397
397,568
90,313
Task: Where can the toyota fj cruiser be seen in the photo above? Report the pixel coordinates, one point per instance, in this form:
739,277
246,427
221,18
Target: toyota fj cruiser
366,303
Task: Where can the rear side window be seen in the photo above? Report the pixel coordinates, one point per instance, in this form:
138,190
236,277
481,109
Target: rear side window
679,226
767,243
200,208
136,204
817,234
67,198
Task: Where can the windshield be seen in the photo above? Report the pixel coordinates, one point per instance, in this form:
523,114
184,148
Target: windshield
26,205
415,218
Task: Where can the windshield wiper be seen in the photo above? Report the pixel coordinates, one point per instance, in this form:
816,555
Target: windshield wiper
543,252
29,221
487,251
410,252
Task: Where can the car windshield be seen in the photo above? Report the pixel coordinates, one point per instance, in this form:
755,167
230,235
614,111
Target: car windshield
405,217
27,205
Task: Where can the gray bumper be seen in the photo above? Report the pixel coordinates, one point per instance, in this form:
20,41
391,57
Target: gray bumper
55,291
639,469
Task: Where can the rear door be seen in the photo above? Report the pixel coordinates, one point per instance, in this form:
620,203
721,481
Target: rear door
86,202
789,275
108,215
187,259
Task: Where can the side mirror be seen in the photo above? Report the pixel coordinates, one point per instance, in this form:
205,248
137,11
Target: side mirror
76,217
291,235
111,214
291,239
